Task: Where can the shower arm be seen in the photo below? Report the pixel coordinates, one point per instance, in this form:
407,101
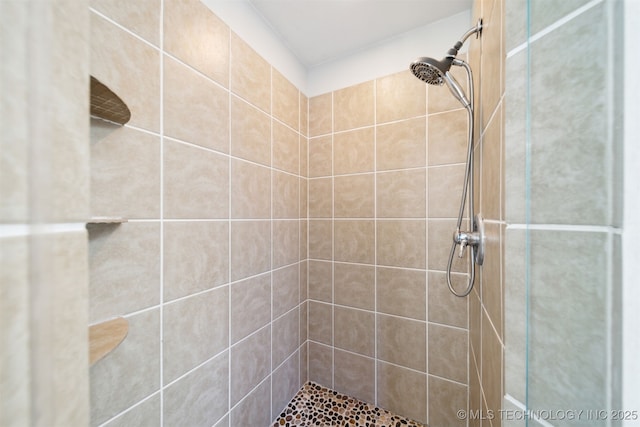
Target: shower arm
474,238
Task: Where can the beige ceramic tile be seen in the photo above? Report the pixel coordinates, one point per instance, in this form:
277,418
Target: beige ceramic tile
354,196
250,191
250,306
304,363
445,191
402,391
285,242
320,239
354,330
448,138
195,257
475,326
206,176
285,337
145,414
250,248
124,269
142,18
491,366
304,115
304,198
321,198
320,322
286,191
401,292
250,363
475,392
440,98
492,61
125,172
250,132
286,148
401,243
445,400
286,100
320,156
304,315
304,157
285,289
492,167
402,342
401,194
304,280
195,109
444,307
198,37
400,96
401,145
201,397
321,115
492,286
355,375
320,364
254,410
353,151
250,74
123,378
354,241
448,352
353,106
285,382
304,247
128,67
320,281
354,285
195,329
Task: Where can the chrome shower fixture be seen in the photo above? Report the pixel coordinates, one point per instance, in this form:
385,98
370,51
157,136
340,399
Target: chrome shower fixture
436,72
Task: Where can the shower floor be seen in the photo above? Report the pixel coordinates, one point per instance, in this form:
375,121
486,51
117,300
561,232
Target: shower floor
315,405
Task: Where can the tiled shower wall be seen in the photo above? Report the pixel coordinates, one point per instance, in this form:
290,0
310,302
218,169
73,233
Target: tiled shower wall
486,301
385,174
386,165
210,268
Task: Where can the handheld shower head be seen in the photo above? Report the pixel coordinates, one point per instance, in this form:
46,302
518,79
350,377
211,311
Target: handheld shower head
436,72
430,70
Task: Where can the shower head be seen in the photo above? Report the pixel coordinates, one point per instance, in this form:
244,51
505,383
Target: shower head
430,70
436,72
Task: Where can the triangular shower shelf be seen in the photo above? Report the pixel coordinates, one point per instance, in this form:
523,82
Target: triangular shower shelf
106,105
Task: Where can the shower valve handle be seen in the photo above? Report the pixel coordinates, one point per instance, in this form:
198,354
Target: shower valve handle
464,239
463,246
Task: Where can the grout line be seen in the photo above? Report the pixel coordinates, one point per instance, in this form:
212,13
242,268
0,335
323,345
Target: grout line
135,405
229,222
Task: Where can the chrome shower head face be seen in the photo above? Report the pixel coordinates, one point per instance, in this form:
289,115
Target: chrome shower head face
430,70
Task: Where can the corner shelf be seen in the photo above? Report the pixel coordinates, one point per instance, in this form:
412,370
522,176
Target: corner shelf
106,220
106,105
104,337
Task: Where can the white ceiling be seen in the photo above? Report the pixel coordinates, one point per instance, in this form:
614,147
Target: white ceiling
317,31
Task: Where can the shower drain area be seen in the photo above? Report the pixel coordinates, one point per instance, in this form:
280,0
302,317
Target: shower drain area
315,405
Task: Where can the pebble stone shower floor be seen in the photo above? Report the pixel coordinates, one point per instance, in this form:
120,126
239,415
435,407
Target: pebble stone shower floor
315,405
